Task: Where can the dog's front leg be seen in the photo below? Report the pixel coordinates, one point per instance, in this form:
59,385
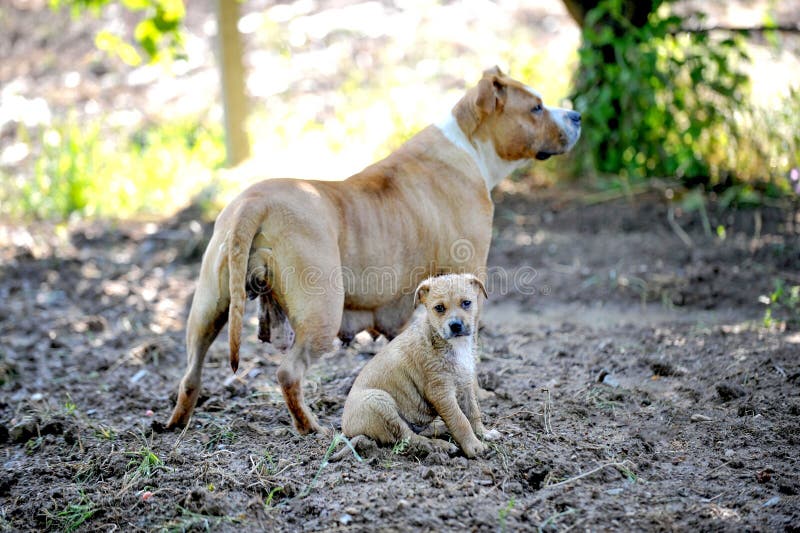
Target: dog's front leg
473,411
446,404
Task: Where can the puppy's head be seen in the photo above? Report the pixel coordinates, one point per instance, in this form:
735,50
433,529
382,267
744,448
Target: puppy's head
452,303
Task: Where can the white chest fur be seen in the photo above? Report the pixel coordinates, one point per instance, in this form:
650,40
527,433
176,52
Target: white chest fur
463,354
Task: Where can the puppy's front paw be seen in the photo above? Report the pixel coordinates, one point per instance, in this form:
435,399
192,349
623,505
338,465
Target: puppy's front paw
473,448
491,435
447,447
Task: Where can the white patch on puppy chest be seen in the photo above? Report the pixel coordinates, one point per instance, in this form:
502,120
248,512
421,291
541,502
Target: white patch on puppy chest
463,354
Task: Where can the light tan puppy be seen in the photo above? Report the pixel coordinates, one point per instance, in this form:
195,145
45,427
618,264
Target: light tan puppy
427,370
335,258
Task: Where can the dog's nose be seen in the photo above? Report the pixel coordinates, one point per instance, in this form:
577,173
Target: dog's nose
456,326
575,117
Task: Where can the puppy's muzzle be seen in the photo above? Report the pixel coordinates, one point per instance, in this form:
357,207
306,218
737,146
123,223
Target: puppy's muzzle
457,328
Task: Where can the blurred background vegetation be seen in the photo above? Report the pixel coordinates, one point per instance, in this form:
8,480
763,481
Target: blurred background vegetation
118,109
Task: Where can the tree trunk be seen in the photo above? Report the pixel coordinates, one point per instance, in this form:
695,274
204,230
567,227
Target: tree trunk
635,11
232,80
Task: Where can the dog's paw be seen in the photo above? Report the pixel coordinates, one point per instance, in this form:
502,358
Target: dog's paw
491,435
443,445
474,448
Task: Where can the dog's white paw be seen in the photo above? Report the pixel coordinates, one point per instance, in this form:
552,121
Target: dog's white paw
492,435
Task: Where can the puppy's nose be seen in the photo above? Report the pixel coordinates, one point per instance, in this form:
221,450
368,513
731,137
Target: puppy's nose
575,117
456,326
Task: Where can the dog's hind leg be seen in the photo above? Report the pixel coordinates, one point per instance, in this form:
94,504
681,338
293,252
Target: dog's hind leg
314,301
208,315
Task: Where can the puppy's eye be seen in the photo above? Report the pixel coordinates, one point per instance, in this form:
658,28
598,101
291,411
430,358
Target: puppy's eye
439,308
536,109
466,304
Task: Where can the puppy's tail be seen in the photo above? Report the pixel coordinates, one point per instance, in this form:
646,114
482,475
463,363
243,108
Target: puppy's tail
246,223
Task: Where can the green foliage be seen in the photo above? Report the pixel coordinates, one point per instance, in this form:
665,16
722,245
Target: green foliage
400,447
143,464
73,515
502,514
783,306
158,33
89,170
658,101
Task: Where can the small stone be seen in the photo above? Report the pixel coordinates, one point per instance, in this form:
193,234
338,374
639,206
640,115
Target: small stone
37,397
610,380
700,418
772,501
23,431
345,519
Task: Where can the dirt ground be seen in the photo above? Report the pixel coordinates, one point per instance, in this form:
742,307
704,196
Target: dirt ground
631,379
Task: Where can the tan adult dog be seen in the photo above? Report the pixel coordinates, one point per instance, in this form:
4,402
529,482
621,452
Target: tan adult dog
427,370
328,258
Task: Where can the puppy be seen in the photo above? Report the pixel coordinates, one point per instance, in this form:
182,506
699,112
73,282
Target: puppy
427,370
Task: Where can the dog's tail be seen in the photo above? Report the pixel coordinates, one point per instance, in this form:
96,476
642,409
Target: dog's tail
246,223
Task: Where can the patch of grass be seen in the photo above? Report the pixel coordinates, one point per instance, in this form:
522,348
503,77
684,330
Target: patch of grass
105,432
69,406
552,520
783,306
73,515
34,444
269,500
605,399
193,521
629,474
221,434
400,447
143,464
338,438
502,514
92,169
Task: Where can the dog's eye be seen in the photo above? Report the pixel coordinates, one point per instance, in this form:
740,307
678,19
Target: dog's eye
466,303
536,109
439,308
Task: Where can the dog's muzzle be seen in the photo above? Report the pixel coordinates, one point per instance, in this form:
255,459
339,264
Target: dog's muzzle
457,328
570,124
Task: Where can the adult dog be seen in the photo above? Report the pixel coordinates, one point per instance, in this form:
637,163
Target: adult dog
328,258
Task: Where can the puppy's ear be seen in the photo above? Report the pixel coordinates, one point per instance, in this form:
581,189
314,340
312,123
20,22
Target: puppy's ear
481,286
422,292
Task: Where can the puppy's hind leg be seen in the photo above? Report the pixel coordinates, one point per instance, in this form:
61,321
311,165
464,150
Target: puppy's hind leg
373,412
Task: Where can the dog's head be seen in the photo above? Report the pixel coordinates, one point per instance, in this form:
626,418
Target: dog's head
452,302
513,117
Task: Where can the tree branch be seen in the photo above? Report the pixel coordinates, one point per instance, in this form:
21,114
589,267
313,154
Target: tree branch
741,29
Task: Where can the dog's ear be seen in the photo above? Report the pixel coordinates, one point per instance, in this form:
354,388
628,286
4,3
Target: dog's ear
481,286
422,292
494,71
481,101
491,95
